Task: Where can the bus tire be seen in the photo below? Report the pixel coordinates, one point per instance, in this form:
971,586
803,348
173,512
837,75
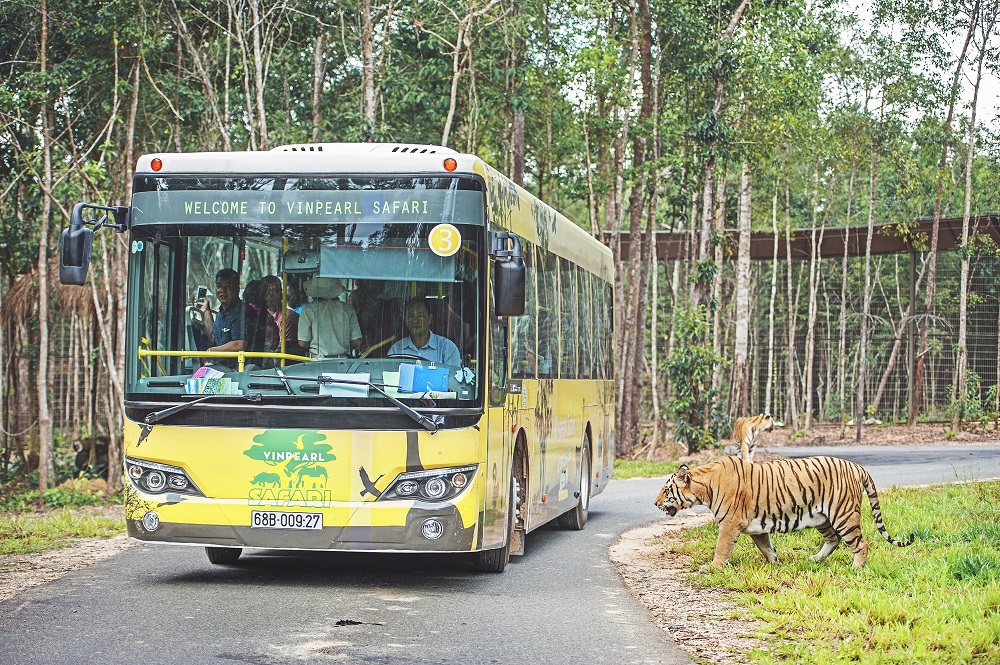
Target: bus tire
494,561
575,518
223,556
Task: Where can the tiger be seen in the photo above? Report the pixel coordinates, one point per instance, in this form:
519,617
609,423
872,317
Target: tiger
746,431
780,496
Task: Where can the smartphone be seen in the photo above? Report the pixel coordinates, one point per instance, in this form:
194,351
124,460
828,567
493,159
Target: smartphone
202,292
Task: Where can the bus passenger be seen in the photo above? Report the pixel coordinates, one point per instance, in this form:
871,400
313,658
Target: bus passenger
225,329
328,327
261,330
421,341
378,305
287,320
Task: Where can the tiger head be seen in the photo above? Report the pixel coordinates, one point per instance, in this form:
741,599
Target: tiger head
677,493
766,422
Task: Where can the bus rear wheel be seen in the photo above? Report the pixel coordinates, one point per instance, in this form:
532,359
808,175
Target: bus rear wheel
223,556
575,518
494,561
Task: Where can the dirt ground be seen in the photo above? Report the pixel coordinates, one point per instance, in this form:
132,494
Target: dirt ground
21,572
706,623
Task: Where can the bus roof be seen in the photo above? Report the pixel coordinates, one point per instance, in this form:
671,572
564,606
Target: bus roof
310,158
564,237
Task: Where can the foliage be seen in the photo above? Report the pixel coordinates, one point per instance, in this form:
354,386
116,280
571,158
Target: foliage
932,602
807,89
695,405
74,495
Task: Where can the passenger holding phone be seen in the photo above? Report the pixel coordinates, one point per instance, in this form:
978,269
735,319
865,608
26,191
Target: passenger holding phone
226,328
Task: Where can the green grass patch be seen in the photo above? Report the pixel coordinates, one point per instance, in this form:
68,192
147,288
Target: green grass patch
937,601
26,533
629,468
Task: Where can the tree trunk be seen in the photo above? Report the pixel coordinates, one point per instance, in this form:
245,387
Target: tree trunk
859,412
970,151
208,88
942,175
319,74
718,225
635,307
46,469
814,260
368,69
768,407
258,73
793,412
708,204
842,356
738,402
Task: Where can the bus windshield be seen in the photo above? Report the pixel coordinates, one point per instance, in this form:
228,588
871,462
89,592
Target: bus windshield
306,290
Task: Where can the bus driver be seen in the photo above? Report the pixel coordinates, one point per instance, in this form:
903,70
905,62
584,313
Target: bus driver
422,342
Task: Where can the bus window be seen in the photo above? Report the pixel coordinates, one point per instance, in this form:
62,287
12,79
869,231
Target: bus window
585,325
567,320
498,362
548,312
523,327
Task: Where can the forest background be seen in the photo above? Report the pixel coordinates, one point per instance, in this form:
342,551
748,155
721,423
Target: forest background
713,120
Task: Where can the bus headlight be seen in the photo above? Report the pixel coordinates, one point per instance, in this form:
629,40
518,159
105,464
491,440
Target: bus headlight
431,485
156,478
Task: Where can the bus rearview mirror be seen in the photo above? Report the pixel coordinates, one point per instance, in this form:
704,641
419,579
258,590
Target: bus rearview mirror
508,287
508,274
74,249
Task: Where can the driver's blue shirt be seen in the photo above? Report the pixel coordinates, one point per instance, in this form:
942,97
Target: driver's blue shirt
438,349
228,324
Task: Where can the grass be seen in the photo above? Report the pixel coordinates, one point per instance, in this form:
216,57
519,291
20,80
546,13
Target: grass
937,601
627,468
35,521
27,533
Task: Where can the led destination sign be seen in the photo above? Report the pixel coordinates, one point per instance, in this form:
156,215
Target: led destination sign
314,206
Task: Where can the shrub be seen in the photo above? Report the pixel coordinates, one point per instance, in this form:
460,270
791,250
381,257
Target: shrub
694,406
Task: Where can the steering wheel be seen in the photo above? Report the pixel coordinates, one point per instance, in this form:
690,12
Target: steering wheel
410,356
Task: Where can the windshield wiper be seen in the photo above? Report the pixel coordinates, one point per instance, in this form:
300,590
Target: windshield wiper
156,416
426,422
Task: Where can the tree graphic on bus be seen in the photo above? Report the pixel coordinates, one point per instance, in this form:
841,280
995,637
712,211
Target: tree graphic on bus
298,453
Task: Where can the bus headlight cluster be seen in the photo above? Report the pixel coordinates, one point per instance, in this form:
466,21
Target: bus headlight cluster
156,478
433,485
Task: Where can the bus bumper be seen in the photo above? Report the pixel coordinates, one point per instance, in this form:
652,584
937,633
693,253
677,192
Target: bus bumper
409,536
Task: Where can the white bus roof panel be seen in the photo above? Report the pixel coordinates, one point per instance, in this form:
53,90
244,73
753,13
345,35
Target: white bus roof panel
332,158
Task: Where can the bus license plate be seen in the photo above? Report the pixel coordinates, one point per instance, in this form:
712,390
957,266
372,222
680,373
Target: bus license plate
266,519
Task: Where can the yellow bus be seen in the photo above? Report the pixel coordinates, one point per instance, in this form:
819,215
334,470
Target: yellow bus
369,347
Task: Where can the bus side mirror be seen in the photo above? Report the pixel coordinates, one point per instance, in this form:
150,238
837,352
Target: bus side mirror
74,249
508,275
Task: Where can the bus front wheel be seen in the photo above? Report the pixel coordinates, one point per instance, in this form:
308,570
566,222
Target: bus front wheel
575,518
494,561
223,556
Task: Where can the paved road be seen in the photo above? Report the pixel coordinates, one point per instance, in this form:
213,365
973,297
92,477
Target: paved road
913,465
560,603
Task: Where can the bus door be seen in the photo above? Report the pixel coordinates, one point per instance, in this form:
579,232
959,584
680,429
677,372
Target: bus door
499,438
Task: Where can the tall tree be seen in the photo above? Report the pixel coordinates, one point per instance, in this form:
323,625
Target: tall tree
46,470
942,176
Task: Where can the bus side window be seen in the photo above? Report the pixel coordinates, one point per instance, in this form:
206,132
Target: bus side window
498,362
608,321
585,324
567,320
548,330
523,342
